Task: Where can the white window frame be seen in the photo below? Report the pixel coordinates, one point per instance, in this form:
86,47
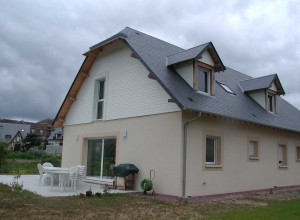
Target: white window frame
98,100
255,141
218,137
282,156
215,150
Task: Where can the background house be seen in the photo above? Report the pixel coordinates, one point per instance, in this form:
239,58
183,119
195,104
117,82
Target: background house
55,141
13,132
203,127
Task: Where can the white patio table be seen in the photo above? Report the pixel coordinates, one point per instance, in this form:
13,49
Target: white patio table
58,171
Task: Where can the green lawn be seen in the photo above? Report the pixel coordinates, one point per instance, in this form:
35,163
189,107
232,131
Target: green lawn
26,205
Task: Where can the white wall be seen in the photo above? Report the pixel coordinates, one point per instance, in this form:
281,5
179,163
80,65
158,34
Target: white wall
206,58
129,91
185,70
259,97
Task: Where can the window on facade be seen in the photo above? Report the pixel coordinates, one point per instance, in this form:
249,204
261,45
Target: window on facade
298,153
282,155
271,102
203,80
32,131
253,150
213,150
41,132
7,136
100,99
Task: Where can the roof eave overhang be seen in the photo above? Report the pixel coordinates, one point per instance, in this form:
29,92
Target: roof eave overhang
242,120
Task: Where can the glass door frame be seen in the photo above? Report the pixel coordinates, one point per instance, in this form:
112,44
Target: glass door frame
86,145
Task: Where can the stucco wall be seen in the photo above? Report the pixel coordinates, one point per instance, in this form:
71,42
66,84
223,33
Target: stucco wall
238,173
152,142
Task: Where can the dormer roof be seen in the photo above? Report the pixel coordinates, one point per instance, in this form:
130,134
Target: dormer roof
264,82
195,53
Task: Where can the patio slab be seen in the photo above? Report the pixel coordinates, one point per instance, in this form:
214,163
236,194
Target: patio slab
31,183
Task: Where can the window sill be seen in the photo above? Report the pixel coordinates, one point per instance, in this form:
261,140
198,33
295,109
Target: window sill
203,93
283,166
213,166
254,158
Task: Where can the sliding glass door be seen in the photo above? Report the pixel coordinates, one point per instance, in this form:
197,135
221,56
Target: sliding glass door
101,156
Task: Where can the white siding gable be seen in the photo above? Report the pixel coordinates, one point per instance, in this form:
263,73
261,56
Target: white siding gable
259,97
206,58
128,90
273,87
186,72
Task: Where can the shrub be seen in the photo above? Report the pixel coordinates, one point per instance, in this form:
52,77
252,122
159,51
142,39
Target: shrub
146,185
3,153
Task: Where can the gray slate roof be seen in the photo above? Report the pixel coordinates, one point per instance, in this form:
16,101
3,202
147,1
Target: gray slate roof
152,52
258,83
185,55
11,129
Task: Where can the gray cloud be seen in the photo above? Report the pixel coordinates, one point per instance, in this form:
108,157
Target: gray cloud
41,42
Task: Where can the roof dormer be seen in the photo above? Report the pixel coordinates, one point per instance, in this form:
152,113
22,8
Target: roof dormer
197,67
264,90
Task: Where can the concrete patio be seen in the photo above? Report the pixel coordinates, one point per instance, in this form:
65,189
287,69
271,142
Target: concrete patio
31,183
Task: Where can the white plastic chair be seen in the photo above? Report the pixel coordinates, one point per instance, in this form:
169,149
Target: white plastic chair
47,164
72,177
80,175
43,175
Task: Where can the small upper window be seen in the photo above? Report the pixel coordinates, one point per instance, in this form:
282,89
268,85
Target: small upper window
7,136
271,102
100,99
226,88
203,80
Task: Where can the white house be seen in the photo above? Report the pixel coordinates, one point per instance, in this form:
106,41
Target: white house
204,128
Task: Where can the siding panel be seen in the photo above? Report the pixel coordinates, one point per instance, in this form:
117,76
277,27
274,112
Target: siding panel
129,91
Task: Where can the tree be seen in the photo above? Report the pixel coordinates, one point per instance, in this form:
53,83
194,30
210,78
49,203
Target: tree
3,153
31,140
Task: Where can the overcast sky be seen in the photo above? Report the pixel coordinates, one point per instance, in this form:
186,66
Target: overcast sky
42,42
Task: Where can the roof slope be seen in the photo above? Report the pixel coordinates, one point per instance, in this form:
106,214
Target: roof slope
153,52
263,82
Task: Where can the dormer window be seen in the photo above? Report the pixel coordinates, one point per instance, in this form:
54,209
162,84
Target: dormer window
203,78
271,103
264,90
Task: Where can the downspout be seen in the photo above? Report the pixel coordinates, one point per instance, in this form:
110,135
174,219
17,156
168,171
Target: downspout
184,153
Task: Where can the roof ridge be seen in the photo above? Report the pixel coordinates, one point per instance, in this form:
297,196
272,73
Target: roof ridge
153,37
188,49
240,73
258,77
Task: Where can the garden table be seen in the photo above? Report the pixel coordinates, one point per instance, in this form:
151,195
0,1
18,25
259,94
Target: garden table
63,172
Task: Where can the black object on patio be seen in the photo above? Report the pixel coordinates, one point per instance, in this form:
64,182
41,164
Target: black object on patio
124,170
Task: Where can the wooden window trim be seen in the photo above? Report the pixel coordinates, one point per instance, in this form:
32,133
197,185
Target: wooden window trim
196,65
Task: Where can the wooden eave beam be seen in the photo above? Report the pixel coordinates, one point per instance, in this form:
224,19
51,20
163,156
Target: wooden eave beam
76,87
